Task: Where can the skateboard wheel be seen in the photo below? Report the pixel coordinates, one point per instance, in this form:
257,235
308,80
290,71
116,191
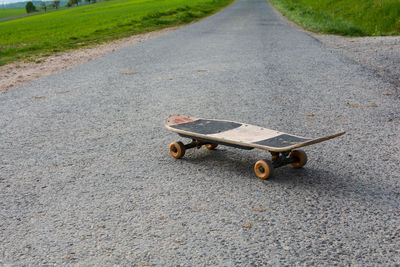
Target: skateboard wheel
300,156
211,146
263,169
177,150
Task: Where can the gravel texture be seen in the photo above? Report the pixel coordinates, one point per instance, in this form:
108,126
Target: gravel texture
86,177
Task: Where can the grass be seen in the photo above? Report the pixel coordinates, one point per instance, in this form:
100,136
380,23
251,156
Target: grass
46,34
11,12
344,17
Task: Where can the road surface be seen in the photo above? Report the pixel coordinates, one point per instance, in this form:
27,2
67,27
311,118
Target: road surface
86,177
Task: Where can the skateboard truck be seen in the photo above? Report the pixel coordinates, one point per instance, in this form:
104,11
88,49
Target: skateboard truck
263,168
178,149
284,158
194,144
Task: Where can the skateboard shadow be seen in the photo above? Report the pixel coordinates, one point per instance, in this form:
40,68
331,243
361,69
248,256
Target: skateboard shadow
337,185
232,163
314,180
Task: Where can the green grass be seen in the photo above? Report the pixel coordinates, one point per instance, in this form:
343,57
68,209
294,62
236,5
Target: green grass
46,34
344,17
11,12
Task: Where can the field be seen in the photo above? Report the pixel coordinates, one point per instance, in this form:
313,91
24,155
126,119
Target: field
46,34
11,12
344,17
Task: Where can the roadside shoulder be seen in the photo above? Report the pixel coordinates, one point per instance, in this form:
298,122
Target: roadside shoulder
379,54
19,73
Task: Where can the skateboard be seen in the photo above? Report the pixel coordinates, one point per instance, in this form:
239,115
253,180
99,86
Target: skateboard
211,133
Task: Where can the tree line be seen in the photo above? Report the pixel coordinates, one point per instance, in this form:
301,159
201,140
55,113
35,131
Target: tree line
30,7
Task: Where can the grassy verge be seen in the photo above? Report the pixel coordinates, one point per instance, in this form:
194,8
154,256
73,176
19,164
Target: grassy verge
17,13
344,17
46,34
11,12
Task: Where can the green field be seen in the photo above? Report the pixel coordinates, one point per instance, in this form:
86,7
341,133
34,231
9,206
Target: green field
344,17
11,12
46,34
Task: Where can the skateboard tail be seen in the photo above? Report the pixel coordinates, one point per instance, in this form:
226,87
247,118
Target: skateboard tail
318,140
294,146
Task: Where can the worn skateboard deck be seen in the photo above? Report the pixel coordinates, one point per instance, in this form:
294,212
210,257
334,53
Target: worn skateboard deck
241,135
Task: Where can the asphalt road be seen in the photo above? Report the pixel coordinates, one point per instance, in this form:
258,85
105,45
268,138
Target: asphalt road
86,176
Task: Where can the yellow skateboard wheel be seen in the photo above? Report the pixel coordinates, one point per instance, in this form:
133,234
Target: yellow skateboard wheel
301,158
211,146
177,150
263,169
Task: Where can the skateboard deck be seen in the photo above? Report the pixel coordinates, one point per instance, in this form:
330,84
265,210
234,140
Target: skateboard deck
239,134
211,133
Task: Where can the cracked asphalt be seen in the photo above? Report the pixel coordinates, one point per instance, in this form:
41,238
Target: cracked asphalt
86,177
